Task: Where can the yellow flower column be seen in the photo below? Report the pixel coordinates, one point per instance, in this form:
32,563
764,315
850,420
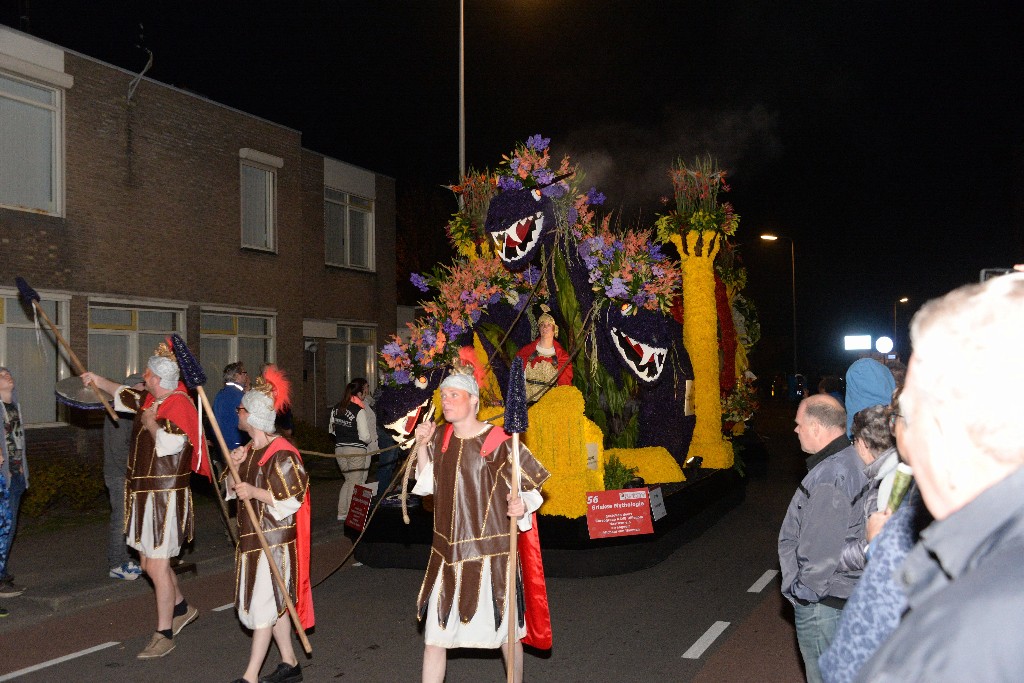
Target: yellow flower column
700,337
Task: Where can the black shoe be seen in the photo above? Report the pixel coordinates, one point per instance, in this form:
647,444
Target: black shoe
284,674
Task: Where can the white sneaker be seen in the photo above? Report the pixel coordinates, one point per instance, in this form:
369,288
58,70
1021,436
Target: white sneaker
129,571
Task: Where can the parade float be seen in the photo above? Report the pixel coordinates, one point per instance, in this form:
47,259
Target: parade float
648,386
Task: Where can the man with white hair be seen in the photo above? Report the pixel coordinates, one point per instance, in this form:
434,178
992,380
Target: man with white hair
963,434
823,516
158,501
467,467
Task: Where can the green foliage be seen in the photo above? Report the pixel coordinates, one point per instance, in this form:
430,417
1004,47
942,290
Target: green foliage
617,475
494,335
77,484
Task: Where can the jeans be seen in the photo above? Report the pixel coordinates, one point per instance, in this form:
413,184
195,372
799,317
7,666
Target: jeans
15,488
114,477
386,468
815,628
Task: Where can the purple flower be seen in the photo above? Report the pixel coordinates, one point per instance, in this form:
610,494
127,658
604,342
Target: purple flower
401,377
640,298
514,164
420,282
543,176
392,349
475,316
617,289
608,252
466,296
574,216
619,246
591,263
531,275
537,143
495,298
506,183
594,197
428,339
657,271
655,251
554,191
451,329
521,304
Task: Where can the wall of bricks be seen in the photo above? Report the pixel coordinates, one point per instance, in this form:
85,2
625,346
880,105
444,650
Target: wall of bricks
153,213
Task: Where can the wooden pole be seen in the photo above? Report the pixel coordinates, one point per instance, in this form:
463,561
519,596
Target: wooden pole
510,581
79,368
259,532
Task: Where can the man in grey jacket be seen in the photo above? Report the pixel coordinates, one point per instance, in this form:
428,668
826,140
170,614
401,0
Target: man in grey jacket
962,433
823,516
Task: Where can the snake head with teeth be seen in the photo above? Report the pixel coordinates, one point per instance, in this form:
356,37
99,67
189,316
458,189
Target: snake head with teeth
637,343
519,221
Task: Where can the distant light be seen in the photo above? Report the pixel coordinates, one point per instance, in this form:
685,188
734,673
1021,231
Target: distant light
883,345
770,237
857,342
904,300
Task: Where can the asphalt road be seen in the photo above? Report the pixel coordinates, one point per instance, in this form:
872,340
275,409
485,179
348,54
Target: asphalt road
707,613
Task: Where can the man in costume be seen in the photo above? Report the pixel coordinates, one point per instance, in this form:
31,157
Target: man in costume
545,362
466,465
274,480
166,447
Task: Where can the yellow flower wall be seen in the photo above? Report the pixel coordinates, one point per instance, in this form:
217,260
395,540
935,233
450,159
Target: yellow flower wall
557,436
656,465
700,337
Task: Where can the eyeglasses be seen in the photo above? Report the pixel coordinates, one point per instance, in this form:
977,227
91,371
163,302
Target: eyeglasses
893,417
239,409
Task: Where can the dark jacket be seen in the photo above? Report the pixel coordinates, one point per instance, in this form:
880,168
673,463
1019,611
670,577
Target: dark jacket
965,592
824,514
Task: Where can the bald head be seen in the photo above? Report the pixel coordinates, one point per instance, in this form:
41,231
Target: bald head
820,420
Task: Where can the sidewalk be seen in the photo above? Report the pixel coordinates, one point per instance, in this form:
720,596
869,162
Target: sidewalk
64,570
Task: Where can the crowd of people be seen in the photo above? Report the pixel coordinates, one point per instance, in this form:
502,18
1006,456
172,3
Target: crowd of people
927,589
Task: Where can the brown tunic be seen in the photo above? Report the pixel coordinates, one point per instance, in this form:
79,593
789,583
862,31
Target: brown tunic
164,479
285,477
471,524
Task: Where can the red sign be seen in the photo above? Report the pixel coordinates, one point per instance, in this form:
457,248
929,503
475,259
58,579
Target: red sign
625,512
359,508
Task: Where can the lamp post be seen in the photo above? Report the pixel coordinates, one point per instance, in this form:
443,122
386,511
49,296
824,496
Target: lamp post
769,237
895,337
462,89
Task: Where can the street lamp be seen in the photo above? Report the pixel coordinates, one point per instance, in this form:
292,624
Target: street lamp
462,89
769,237
895,337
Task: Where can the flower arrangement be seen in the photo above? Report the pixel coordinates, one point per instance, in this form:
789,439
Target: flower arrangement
466,227
654,464
696,201
427,350
630,270
740,404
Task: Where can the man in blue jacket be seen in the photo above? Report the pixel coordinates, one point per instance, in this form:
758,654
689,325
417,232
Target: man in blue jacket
225,404
824,514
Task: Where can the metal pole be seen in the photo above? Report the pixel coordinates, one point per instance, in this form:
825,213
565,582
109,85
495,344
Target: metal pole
462,90
792,263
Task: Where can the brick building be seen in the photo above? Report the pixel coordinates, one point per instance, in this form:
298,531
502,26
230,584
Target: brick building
136,209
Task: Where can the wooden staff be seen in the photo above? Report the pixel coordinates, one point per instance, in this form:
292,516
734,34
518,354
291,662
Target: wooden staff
516,422
31,295
193,374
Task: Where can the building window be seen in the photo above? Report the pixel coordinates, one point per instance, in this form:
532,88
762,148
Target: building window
348,224
259,199
351,354
232,337
122,338
32,357
31,153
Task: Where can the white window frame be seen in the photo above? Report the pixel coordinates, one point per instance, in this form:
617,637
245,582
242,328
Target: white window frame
343,338
347,208
137,358
233,335
61,371
56,109
269,165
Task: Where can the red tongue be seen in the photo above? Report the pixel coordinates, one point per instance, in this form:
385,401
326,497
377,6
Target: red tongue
636,347
410,424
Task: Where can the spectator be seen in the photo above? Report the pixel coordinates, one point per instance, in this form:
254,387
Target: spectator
226,402
868,383
823,515
350,428
116,445
14,468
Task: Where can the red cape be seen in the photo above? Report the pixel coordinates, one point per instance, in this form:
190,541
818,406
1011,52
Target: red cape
179,409
535,589
303,588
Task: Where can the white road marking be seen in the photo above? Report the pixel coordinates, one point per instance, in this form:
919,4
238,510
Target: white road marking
58,660
223,607
705,641
765,579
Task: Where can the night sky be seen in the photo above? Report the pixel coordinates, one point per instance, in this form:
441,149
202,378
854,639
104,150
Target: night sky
885,138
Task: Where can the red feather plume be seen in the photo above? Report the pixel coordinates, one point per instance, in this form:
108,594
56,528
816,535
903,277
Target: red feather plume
282,387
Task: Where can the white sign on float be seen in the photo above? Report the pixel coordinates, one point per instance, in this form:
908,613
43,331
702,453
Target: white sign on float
857,342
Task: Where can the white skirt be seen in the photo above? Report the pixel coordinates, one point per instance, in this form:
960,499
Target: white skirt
479,632
263,607
172,543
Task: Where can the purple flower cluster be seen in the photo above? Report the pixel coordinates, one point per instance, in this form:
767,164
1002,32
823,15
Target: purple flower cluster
594,197
421,283
506,183
538,143
617,289
392,349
